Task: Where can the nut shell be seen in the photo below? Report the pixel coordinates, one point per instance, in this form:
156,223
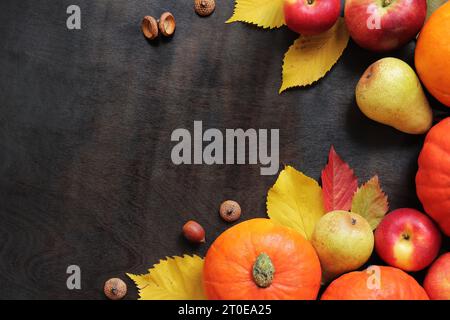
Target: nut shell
149,27
204,7
194,232
115,289
167,24
230,210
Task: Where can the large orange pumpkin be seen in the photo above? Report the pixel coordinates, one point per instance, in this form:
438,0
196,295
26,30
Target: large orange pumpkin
258,259
433,176
375,283
432,55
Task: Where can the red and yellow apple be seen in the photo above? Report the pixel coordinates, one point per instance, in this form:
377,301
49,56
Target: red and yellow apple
310,17
407,239
384,25
437,280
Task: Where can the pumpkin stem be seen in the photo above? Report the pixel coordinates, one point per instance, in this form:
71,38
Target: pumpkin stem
263,271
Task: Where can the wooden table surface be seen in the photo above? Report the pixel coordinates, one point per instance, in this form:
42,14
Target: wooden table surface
86,118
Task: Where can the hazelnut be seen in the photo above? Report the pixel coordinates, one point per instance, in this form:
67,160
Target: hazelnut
194,232
115,289
149,27
204,7
167,24
230,210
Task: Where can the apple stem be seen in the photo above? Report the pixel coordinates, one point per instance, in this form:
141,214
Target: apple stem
310,2
386,3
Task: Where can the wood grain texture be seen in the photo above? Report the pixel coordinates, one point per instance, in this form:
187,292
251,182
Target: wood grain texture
86,117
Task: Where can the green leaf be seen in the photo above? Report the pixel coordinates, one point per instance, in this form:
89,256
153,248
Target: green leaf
432,5
370,202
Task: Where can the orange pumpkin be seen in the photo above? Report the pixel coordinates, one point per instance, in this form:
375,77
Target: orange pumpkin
432,54
433,176
258,259
375,283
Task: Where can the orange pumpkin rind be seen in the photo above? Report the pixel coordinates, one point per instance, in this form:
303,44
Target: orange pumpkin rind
260,260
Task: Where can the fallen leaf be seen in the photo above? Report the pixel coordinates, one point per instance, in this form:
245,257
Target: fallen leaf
263,13
339,183
371,202
177,278
295,201
432,6
311,57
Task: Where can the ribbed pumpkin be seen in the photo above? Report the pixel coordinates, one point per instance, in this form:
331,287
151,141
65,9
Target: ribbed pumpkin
433,176
258,259
394,284
432,54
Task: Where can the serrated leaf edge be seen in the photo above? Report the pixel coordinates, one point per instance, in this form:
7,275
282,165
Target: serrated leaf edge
284,88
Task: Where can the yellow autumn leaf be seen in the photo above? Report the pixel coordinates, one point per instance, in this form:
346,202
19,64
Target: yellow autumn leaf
295,201
177,278
311,57
263,13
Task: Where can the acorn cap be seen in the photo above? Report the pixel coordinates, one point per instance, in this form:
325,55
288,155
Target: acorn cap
115,289
149,27
204,7
230,210
167,24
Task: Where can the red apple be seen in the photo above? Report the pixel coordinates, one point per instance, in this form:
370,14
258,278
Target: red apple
383,25
437,280
407,239
310,17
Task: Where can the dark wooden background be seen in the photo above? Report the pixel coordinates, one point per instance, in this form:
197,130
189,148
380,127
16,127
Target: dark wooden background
86,117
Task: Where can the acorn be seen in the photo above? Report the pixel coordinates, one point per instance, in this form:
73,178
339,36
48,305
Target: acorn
167,24
194,232
149,27
115,289
204,7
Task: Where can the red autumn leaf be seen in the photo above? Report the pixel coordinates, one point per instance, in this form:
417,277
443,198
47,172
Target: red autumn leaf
339,183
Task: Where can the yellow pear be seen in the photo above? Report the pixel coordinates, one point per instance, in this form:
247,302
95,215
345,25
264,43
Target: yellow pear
390,92
343,241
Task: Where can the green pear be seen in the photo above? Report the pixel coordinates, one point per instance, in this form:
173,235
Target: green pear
343,241
390,92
